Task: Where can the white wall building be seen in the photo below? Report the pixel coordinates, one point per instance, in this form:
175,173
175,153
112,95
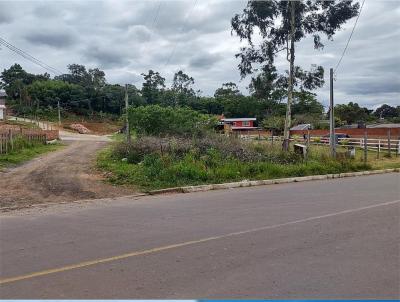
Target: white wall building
3,96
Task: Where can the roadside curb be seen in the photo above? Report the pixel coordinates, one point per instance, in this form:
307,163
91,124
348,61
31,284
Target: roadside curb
43,205
210,187
254,183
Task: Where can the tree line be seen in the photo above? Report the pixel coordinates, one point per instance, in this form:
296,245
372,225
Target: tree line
277,99
86,92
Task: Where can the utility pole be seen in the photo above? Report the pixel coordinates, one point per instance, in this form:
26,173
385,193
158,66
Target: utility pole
286,133
365,146
59,112
128,133
332,118
37,110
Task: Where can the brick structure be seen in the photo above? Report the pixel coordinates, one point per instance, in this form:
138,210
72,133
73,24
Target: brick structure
357,132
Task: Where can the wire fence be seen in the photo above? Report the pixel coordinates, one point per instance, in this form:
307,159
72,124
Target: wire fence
387,145
11,141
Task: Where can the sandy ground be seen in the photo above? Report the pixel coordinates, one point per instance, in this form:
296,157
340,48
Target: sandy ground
61,176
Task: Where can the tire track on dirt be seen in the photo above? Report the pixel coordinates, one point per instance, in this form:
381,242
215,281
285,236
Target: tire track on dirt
64,175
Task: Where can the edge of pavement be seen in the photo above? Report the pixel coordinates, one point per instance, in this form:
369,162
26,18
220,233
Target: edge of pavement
254,183
222,186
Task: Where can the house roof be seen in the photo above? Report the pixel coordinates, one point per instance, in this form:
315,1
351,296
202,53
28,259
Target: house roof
392,125
301,127
239,119
2,106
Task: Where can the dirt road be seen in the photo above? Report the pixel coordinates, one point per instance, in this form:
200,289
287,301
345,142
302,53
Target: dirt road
64,175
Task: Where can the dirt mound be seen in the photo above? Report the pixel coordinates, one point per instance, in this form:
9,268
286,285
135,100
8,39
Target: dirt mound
80,128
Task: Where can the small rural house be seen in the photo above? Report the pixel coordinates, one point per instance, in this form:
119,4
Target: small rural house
238,123
3,96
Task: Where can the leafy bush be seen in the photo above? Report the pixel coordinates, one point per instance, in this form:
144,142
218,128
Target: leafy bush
161,171
157,120
159,162
211,149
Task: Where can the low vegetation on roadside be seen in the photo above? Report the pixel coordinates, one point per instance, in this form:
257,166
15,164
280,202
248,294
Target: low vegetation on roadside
186,151
24,151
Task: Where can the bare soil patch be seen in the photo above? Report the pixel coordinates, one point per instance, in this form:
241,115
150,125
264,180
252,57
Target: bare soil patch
99,128
61,176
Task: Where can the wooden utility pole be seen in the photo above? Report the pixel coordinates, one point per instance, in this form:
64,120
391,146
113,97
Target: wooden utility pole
286,132
365,146
37,112
128,132
59,113
332,139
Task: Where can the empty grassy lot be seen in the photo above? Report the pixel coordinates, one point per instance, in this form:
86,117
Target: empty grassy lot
145,168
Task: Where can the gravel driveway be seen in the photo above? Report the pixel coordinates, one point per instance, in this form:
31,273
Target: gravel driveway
64,175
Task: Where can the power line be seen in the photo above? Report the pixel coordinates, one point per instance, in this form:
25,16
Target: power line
156,15
348,41
29,57
181,29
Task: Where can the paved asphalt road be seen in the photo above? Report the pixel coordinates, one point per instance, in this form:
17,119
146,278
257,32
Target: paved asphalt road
323,239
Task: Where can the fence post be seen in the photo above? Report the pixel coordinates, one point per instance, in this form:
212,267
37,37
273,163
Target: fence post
379,148
398,147
6,145
11,140
365,146
389,143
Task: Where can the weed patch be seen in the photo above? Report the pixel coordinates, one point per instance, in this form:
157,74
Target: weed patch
25,153
153,163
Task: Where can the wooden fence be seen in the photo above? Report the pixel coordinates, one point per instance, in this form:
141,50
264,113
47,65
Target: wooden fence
11,141
371,132
387,145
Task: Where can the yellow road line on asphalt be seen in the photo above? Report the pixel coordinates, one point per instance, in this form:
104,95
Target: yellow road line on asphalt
178,245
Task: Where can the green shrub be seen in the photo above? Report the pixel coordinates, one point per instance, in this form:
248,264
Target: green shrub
157,120
155,162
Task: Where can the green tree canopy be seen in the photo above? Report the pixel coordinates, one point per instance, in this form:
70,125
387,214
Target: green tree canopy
15,79
387,111
306,103
182,83
152,87
280,24
157,120
228,90
274,123
352,113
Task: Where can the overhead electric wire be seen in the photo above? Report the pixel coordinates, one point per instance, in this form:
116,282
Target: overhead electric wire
181,29
348,41
156,15
29,57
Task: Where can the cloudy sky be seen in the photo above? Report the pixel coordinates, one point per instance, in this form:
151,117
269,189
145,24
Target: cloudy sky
126,38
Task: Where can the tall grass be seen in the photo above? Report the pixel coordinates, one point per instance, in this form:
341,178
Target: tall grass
25,151
152,163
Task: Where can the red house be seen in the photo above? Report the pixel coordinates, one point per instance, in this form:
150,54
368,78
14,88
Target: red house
234,124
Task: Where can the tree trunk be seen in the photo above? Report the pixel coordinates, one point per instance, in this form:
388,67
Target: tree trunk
286,133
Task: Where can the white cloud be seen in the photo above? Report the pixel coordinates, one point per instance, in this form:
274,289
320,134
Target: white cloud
126,38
